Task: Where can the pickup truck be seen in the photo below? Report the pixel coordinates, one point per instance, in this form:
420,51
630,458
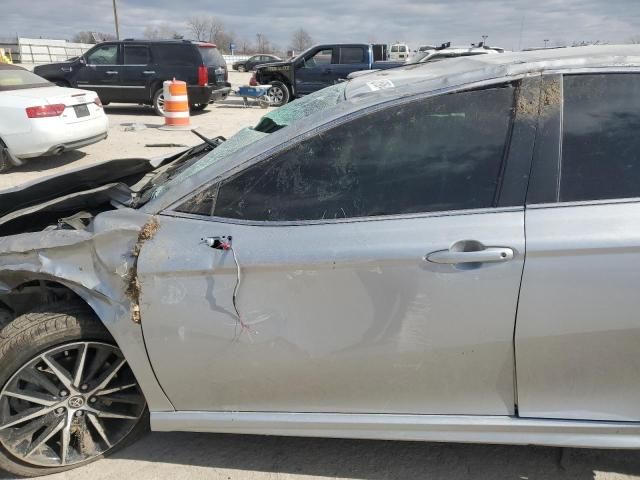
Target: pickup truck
319,67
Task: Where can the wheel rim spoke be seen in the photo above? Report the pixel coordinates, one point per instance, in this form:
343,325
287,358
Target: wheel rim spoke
59,372
69,404
97,424
109,375
82,358
26,416
115,389
33,397
45,436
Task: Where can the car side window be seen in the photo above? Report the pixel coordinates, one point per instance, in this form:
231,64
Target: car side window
175,55
136,55
404,159
103,55
351,55
600,141
320,59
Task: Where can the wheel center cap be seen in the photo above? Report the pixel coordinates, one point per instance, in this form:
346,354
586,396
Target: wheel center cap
76,402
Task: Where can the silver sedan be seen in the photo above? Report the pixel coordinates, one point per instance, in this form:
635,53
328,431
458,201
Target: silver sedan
446,252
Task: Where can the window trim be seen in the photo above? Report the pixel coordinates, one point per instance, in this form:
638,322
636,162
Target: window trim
331,221
292,143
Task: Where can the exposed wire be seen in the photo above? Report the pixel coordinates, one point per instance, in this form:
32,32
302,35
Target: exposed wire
243,325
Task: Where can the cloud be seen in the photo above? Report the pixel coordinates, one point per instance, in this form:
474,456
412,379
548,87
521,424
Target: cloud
508,23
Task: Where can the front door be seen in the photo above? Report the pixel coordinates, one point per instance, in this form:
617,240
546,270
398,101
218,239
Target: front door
101,71
316,71
366,273
578,326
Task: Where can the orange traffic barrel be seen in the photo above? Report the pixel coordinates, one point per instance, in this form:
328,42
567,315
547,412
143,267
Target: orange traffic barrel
176,105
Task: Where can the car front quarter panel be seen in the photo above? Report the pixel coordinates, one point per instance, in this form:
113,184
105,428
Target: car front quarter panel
97,266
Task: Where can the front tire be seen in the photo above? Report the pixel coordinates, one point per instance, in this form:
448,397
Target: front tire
68,396
278,94
199,107
242,68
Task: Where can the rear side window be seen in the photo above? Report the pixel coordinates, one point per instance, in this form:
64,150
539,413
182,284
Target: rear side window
601,137
175,55
16,78
404,159
136,55
211,57
350,55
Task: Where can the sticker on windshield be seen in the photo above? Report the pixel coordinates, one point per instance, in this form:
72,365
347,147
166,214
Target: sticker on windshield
380,84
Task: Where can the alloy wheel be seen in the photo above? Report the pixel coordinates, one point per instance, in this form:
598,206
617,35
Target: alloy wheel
276,95
160,102
69,404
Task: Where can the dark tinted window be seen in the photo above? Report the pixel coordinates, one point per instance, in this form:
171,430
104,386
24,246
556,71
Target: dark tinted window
443,153
320,59
601,140
351,55
136,55
211,57
175,55
103,55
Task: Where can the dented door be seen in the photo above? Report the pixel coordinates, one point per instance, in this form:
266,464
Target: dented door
347,317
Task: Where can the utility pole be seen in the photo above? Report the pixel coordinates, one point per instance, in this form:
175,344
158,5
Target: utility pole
115,16
484,39
545,43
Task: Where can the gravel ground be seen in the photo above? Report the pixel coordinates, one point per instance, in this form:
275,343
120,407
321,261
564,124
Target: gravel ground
226,457
222,118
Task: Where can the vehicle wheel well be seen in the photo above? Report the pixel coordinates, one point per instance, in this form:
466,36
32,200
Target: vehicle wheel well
23,298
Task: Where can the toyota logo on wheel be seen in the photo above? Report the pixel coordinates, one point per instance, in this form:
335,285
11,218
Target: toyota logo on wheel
76,402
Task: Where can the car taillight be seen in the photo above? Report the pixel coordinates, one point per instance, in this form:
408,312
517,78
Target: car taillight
42,111
253,82
203,75
97,102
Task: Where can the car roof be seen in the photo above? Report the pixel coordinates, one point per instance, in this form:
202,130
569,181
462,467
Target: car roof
426,77
169,42
465,50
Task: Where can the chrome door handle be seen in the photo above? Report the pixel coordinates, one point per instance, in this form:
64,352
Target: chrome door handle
149,72
486,255
111,72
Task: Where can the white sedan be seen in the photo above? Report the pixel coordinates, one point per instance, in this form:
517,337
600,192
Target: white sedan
38,118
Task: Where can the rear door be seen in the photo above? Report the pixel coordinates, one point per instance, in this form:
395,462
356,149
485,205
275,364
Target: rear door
137,72
101,72
316,71
351,59
369,273
578,326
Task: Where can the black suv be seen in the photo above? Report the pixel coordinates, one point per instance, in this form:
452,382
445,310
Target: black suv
132,71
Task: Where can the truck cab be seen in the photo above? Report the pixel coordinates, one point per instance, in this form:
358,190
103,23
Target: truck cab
316,68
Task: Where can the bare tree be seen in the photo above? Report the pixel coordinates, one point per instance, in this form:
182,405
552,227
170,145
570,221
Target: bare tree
301,40
244,46
263,45
162,31
199,27
210,29
634,39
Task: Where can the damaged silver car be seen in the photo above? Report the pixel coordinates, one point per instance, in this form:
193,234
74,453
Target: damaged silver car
443,253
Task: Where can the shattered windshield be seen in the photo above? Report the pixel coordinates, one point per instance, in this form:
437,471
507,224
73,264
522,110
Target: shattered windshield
271,122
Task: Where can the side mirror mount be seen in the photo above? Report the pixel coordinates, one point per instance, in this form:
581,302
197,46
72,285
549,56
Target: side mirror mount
82,60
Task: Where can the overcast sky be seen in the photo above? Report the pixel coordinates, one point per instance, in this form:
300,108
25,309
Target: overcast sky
508,23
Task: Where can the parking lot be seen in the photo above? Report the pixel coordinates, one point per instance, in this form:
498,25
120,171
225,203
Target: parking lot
134,132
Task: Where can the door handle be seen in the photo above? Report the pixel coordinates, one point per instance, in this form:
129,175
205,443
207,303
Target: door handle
111,72
149,72
485,255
